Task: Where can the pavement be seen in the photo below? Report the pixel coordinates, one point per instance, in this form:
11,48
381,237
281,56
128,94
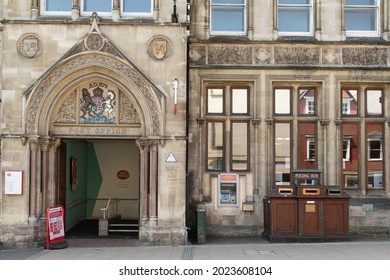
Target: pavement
214,249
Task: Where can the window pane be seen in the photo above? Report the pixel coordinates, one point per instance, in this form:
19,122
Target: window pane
290,2
239,146
282,153
361,2
215,101
58,5
307,146
307,101
361,19
374,132
374,102
350,161
349,102
137,6
293,19
228,2
215,146
282,101
97,6
227,18
239,101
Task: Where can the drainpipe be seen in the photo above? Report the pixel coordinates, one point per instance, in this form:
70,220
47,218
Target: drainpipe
188,192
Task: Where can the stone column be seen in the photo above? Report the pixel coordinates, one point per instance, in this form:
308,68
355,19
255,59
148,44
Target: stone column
34,143
325,162
115,10
45,145
153,182
34,9
75,10
270,167
144,183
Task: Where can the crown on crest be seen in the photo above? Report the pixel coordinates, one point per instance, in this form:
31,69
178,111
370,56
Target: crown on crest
98,91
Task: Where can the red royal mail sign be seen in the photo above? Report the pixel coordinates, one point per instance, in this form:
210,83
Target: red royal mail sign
55,224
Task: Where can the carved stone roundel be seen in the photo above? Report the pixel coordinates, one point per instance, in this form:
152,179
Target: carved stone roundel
159,48
94,42
30,46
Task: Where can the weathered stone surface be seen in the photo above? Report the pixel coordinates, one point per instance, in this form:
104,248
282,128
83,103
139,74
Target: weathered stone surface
299,55
230,55
364,56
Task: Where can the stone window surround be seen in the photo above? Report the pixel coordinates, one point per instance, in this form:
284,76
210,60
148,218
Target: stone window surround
384,20
76,11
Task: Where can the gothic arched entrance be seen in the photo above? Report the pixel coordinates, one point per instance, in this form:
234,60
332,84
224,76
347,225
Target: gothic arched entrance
94,101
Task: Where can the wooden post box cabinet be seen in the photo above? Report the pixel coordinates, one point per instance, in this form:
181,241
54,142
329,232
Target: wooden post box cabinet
306,213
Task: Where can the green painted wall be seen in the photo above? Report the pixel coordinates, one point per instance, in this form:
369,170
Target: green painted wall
75,208
98,163
94,178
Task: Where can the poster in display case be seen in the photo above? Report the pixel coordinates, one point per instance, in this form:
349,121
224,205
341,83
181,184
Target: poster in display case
13,182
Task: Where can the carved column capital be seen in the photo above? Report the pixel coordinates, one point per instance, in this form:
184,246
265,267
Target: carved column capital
256,122
324,122
269,122
149,143
200,121
34,142
338,122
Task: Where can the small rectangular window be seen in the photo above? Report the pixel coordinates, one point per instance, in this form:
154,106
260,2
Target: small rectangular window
137,7
346,149
311,149
362,17
307,101
282,153
102,7
374,102
374,149
228,16
240,101
56,7
215,101
349,102
215,143
240,146
282,101
295,17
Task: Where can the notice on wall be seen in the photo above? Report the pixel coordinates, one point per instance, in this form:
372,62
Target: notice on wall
55,224
13,182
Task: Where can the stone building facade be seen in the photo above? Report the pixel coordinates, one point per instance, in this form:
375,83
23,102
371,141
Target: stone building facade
115,100
277,86
93,108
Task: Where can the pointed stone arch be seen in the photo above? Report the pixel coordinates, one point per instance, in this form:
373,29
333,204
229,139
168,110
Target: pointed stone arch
93,57
43,97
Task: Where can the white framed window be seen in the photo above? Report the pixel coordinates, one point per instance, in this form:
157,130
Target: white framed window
101,7
310,106
347,148
346,107
228,17
361,17
137,8
374,149
56,7
311,148
295,17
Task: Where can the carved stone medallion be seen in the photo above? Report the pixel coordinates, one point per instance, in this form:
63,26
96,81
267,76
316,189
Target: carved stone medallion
94,42
30,46
159,48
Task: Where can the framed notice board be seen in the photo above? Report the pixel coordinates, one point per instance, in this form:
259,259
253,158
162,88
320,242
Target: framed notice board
13,182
